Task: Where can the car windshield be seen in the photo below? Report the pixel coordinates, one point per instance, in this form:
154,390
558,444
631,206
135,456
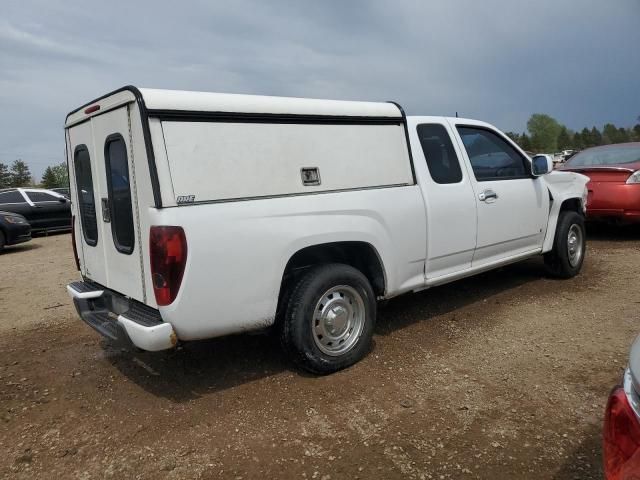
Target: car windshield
606,156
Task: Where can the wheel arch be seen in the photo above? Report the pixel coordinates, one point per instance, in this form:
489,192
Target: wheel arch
572,204
359,254
564,204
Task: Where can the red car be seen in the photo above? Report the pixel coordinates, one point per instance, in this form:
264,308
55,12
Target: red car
614,189
621,432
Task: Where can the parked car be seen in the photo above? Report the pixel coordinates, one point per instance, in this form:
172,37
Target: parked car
558,158
14,229
614,186
621,432
223,213
44,210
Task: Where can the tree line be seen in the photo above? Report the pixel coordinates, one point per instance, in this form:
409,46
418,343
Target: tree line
547,135
19,175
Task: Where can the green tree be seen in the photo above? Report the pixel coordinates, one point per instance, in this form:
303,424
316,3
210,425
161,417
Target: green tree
5,176
61,173
623,135
544,131
576,142
564,141
585,135
20,174
525,142
609,134
56,176
513,136
636,133
49,179
596,136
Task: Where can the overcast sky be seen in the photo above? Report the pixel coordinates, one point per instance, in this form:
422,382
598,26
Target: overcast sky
495,60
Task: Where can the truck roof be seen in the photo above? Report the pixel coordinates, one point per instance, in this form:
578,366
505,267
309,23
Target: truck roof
155,100
228,102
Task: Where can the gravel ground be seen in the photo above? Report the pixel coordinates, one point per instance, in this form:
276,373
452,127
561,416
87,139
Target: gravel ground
504,375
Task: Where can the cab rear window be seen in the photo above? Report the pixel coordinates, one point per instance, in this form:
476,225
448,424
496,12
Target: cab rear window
86,201
115,154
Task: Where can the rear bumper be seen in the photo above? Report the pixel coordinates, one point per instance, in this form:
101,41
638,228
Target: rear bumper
124,321
621,215
614,200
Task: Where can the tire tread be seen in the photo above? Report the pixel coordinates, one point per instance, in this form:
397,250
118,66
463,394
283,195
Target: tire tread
557,260
293,321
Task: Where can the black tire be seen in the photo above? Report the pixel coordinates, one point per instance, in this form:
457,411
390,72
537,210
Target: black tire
2,240
558,261
297,335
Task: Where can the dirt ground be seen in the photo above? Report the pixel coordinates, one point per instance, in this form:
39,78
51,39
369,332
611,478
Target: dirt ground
504,375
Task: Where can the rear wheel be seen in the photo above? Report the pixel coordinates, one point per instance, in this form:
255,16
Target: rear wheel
329,318
569,246
2,240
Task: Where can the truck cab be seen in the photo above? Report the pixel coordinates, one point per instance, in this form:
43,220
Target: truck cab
480,189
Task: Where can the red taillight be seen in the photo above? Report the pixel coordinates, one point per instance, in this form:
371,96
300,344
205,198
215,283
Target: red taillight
168,251
621,439
91,109
73,241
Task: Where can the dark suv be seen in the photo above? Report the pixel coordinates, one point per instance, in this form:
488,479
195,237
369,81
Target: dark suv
44,210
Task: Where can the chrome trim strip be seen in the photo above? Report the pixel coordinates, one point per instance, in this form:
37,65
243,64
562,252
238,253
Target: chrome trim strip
630,392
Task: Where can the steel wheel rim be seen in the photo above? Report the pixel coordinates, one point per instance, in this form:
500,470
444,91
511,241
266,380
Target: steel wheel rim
338,320
574,245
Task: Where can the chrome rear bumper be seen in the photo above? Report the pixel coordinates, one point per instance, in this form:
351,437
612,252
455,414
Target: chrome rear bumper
124,321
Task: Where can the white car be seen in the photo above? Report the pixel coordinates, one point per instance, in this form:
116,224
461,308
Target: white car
198,215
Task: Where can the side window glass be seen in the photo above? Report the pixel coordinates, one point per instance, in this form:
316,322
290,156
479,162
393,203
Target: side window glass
41,197
115,154
86,201
441,158
13,196
491,157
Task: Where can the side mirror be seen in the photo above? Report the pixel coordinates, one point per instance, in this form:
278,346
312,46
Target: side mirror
62,199
541,165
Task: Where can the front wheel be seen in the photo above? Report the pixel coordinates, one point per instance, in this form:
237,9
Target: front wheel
569,246
329,318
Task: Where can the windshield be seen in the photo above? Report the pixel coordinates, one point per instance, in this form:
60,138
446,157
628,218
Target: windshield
606,156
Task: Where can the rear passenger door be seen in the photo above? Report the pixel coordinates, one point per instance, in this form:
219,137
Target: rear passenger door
512,204
49,211
449,198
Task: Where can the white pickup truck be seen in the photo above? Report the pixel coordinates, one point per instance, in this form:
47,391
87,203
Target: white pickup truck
198,215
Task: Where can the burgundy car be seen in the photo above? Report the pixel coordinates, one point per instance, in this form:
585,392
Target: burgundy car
614,189
621,432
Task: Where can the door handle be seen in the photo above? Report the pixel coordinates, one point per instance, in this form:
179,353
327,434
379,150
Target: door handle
106,211
487,195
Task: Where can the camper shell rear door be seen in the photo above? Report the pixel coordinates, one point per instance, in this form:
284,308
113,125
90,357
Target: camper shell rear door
103,189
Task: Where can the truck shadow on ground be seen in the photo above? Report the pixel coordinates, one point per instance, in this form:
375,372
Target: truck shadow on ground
206,367
405,310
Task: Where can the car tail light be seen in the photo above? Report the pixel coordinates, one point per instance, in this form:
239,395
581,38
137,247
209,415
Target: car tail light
168,251
634,177
73,241
621,438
